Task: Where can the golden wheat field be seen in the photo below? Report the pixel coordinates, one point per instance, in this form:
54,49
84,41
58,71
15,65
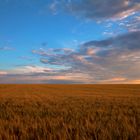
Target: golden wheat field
69,112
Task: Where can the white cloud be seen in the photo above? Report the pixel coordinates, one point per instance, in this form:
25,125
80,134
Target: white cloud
3,73
30,69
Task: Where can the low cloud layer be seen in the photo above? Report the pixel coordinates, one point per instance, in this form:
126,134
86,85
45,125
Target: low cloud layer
114,59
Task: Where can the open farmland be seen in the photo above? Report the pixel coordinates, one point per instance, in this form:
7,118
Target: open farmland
69,112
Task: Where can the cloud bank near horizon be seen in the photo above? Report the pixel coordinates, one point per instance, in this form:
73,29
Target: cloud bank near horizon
113,60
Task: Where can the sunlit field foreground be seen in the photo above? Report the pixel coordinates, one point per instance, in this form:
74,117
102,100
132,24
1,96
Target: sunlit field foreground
69,112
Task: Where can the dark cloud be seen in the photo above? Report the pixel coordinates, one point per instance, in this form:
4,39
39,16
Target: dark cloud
114,58
128,41
104,9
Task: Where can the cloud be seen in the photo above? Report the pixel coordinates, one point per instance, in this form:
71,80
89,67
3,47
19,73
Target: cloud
128,41
119,80
61,79
3,73
112,60
6,48
30,69
104,9
118,55
42,77
115,59
132,23
53,7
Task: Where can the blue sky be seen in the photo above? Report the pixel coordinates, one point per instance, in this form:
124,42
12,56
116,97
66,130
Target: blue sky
69,41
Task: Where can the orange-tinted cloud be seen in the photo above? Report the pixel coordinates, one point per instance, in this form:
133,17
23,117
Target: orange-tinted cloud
3,73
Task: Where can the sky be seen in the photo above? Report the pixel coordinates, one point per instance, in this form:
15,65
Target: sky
70,41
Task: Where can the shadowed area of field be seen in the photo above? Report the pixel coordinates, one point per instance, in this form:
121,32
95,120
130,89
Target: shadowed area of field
70,112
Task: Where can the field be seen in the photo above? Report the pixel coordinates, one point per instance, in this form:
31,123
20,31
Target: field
69,112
